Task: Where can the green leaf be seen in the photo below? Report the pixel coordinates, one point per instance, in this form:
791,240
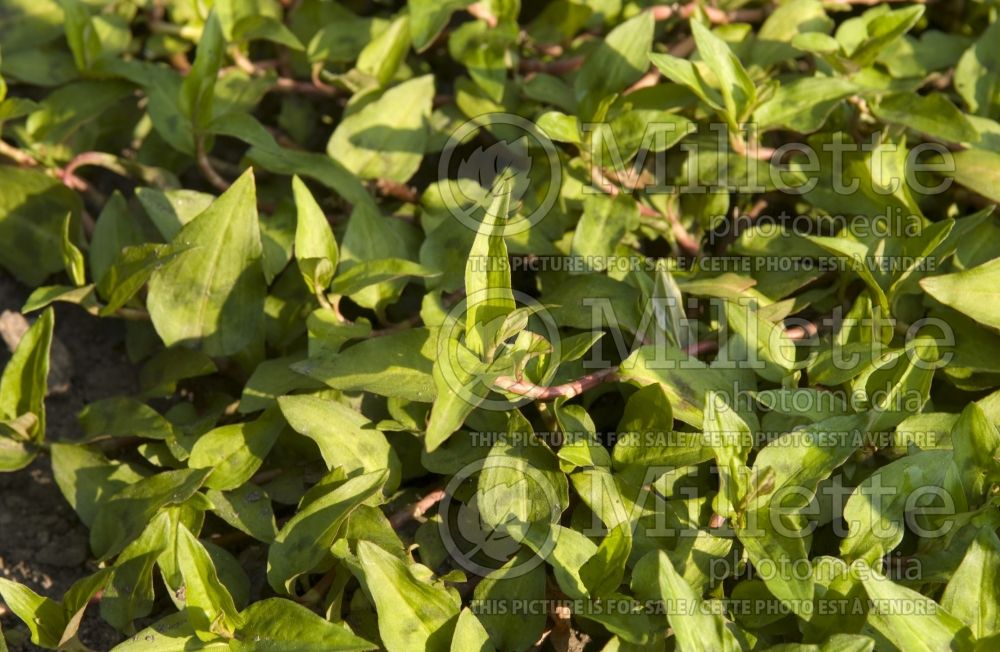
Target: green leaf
925,626
83,39
211,296
971,594
668,309
399,365
976,169
800,460
269,28
271,379
170,210
131,271
15,452
43,616
977,75
520,482
803,104
130,594
206,600
68,118
247,508
75,602
685,379
603,573
25,378
458,389
386,138
485,51
32,209
73,259
731,440
346,439
739,94
343,37
688,74
284,626
932,115
769,351
86,478
305,540
581,447
162,85
619,60
371,236
604,222
892,388
412,614
515,583
160,375
876,509
124,417
171,634
775,540
487,274
234,452
53,624
773,43
122,518
976,443
381,57
266,153
560,127
972,292
856,253
197,92
85,297
369,273
864,38
234,14
113,231
428,18
313,236
648,414
470,633
694,628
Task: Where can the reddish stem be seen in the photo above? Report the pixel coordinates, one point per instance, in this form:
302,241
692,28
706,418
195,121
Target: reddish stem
397,190
714,14
416,510
705,346
543,393
557,67
685,240
802,332
481,11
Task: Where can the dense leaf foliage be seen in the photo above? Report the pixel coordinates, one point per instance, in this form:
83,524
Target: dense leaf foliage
486,326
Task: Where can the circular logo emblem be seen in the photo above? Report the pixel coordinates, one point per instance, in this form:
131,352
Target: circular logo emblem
485,532
521,148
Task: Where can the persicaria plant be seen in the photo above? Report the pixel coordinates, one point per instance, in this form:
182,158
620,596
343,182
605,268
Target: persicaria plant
457,326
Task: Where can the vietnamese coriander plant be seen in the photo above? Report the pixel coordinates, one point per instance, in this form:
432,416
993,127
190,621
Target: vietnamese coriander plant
570,325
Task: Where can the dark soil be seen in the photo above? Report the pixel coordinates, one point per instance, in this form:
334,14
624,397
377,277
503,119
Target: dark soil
42,543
